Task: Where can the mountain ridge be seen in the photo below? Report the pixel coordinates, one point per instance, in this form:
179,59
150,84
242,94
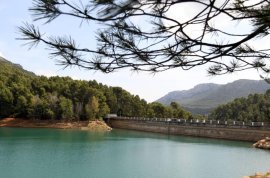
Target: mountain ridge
204,97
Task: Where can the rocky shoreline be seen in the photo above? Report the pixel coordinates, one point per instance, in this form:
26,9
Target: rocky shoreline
95,125
263,144
259,175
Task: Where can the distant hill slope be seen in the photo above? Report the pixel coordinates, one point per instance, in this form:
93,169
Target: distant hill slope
8,67
204,97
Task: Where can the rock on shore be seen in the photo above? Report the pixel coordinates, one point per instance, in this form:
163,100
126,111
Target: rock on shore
97,126
259,175
263,144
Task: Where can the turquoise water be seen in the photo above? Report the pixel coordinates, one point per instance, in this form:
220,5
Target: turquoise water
27,153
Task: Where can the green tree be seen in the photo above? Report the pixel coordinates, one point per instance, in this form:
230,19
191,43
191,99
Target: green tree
92,108
253,108
178,112
159,110
111,100
66,108
22,94
48,114
6,101
103,107
21,106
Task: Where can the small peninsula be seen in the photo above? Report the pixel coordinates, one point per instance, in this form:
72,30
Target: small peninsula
93,125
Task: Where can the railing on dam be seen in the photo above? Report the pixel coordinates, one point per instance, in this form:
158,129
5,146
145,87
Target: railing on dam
194,122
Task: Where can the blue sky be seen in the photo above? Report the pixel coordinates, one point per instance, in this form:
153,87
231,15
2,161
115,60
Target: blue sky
148,86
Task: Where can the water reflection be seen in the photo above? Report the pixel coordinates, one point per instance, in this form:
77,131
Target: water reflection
123,134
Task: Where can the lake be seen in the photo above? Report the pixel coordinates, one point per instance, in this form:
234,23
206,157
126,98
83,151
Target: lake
32,153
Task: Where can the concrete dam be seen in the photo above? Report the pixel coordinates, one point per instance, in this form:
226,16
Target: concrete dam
233,130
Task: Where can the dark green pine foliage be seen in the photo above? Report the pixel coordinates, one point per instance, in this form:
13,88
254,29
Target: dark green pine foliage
256,107
25,95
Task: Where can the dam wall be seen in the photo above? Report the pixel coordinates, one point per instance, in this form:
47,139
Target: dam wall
229,132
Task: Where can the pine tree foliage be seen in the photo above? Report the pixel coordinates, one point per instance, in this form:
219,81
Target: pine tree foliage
25,95
143,35
256,107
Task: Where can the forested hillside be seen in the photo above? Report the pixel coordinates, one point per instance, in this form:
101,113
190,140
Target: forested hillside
25,95
255,107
